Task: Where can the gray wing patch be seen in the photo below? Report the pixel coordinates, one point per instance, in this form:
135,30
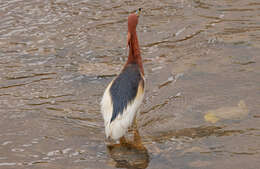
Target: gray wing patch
124,88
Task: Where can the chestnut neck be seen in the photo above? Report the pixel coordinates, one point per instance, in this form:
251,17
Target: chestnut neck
134,56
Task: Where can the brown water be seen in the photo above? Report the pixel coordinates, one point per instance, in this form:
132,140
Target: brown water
202,67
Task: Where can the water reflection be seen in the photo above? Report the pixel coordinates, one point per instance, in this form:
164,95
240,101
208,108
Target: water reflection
129,154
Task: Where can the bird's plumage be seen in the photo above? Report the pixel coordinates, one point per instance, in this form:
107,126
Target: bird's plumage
124,95
124,88
120,104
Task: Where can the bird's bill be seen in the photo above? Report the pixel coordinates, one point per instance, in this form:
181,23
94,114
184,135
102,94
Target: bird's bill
138,11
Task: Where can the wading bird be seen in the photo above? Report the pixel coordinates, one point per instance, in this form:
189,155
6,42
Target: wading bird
124,95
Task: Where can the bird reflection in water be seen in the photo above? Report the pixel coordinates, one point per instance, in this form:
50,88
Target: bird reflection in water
129,154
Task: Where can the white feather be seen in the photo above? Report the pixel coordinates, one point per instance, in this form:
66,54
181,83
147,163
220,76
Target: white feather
118,127
106,107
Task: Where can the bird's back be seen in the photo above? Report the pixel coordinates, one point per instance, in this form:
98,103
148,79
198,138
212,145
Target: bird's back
121,100
125,88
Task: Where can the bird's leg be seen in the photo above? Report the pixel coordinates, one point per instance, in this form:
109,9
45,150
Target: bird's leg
137,137
135,124
123,140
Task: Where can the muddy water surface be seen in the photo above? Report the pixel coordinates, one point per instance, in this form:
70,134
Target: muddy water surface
201,61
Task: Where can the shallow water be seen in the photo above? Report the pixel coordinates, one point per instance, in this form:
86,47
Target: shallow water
201,60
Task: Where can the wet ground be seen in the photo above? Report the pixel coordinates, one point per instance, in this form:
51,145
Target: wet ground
201,61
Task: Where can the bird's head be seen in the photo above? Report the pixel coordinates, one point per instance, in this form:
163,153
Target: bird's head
133,20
